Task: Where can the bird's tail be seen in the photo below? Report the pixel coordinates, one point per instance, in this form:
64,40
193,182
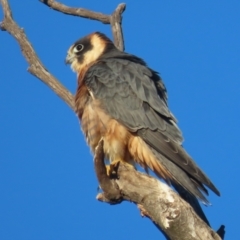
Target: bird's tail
181,178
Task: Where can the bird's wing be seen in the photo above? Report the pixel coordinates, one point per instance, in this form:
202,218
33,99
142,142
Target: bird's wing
136,100
129,93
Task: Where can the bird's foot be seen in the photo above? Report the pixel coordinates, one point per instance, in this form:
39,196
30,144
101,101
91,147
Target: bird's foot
112,168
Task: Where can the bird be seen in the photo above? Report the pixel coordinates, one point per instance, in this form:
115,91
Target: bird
124,102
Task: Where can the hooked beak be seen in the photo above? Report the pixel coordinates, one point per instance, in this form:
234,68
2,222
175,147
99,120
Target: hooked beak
69,59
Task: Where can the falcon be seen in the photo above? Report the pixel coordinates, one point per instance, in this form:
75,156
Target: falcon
124,102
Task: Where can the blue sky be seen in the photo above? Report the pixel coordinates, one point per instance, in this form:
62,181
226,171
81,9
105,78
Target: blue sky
47,182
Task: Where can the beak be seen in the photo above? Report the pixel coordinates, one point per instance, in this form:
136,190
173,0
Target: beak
69,58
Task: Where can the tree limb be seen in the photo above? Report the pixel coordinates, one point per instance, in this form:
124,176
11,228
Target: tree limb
156,200
78,12
36,68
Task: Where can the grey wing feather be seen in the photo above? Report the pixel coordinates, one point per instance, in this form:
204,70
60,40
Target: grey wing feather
130,85
178,155
134,95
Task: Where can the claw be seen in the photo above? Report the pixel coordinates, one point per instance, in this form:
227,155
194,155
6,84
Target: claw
112,168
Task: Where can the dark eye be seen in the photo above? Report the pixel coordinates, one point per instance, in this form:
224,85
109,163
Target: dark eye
78,48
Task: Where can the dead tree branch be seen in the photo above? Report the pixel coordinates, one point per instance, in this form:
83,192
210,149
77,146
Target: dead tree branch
115,19
78,12
156,200
36,68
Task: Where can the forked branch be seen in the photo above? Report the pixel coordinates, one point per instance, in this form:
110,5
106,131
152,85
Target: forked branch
115,19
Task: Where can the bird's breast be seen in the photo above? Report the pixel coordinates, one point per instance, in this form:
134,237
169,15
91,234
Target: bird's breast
94,121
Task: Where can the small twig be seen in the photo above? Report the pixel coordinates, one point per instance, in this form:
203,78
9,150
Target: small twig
79,12
36,67
115,19
116,24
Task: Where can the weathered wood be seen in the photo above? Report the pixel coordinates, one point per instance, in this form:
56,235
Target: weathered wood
174,216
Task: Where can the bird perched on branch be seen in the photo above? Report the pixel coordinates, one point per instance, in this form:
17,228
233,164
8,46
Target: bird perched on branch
120,99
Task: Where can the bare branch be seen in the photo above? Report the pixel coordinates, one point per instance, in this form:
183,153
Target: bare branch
78,12
36,68
115,19
156,200
116,24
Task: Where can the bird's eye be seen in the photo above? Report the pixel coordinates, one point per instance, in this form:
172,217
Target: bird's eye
78,48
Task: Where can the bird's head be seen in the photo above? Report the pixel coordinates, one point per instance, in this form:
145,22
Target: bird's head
87,50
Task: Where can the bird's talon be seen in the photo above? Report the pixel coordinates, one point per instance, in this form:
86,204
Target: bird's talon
114,165
112,168
108,170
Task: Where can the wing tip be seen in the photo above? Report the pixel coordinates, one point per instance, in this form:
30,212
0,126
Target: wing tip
211,186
